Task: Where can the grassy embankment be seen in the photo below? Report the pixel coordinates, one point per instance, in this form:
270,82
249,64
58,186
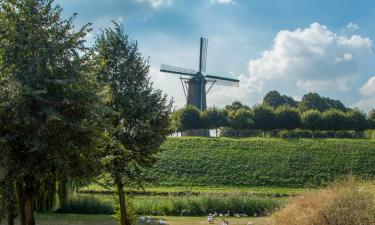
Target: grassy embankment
259,162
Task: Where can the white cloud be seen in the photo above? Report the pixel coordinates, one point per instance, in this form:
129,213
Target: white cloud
366,104
351,27
311,59
223,1
156,3
369,87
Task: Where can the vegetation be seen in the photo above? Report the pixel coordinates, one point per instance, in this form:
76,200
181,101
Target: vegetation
138,118
262,162
47,99
187,205
343,203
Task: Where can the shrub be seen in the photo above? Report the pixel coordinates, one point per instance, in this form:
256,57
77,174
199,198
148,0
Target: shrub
86,205
340,204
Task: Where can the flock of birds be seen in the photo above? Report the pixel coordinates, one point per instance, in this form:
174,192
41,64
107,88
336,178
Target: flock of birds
210,219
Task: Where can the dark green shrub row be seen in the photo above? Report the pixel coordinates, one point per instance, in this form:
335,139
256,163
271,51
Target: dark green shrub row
262,162
86,205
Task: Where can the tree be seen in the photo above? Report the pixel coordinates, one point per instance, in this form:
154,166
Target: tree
189,118
139,114
236,105
287,118
241,119
334,120
371,119
315,101
273,99
357,121
214,118
264,119
312,120
48,103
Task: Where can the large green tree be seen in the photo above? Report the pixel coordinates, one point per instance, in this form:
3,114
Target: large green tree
287,118
48,103
312,120
274,100
138,114
188,118
357,121
264,119
334,120
214,118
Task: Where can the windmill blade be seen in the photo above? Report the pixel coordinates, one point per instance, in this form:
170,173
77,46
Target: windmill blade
203,55
177,70
222,80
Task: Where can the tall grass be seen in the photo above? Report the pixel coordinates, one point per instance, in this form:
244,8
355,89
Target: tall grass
344,203
203,205
176,205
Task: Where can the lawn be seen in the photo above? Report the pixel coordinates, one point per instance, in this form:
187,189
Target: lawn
72,219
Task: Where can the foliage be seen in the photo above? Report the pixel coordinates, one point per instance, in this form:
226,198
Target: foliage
205,204
287,118
315,101
86,205
187,205
312,120
236,105
357,120
273,99
214,118
188,118
241,119
262,162
264,118
49,107
334,119
343,203
138,122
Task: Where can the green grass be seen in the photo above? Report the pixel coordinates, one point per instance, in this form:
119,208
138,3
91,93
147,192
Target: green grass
165,190
175,205
262,162
72,219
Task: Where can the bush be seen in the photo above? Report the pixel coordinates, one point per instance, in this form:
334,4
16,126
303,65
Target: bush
86,205
341,204
203,205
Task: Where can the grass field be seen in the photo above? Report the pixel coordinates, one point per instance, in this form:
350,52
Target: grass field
72,219
267,162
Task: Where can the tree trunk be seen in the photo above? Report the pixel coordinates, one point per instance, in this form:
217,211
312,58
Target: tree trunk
124,219
26,204
10,217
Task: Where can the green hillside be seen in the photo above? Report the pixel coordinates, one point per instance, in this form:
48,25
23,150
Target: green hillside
262,162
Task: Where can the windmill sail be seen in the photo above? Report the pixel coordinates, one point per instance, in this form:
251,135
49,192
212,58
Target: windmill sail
177,70
222,80
203,55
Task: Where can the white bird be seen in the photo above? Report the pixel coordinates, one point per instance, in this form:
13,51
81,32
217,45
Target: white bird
250,223
162,222
237,215
210,219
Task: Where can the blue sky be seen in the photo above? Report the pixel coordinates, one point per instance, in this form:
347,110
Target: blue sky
293,46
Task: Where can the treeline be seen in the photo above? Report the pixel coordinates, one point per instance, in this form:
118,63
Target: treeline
71,114
278,116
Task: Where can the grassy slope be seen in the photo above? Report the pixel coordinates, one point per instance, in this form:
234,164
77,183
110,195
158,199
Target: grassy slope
262,162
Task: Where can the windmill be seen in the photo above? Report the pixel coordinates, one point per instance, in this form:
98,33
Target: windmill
194,82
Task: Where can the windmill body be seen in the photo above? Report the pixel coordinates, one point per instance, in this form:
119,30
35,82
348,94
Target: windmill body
194,83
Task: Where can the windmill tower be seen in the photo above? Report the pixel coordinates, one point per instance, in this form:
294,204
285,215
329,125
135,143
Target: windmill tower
194,82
